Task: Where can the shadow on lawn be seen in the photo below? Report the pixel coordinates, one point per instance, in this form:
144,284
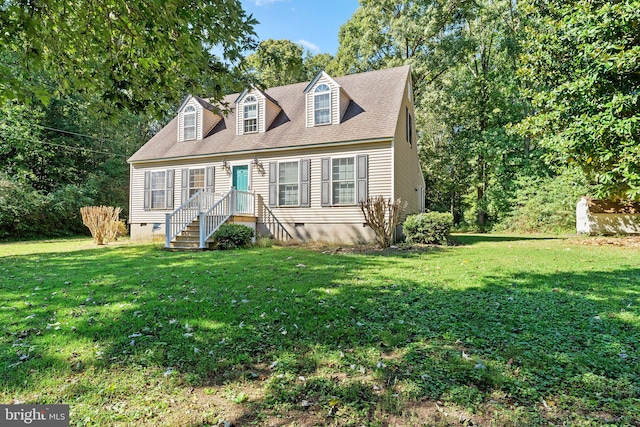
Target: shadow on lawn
471,239
281,314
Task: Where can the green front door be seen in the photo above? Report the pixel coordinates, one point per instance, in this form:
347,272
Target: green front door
241,183
241,178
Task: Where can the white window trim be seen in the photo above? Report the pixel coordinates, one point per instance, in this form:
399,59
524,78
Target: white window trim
297,162
355,179
249,101
188,111
152,190
324,92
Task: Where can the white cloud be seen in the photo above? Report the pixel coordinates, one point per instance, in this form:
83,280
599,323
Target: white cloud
308,45
265,2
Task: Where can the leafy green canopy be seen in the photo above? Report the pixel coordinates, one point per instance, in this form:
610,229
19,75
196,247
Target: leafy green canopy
582,65
463,56
282,62
141,55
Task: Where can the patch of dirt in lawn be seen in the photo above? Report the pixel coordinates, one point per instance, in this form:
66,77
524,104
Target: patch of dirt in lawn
622,241
330,248
215,406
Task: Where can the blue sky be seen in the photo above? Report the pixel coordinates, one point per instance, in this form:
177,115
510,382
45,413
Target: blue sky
314,24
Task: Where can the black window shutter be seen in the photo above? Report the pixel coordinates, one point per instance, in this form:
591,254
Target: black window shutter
325,193
147,191
210,179
305,176
273,184
362,176
170,180
184,193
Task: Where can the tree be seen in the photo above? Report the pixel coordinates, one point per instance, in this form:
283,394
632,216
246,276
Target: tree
463,56
277,63
141,55
581,63
313,64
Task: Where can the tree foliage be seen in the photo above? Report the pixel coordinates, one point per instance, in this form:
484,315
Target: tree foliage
139,55
277,62
282,62
57,158
582,66
463,56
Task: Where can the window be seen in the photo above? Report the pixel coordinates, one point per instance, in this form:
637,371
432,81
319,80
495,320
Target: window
250,115
189,123
409,128
343,181
322,105
288,184
158,190
196,180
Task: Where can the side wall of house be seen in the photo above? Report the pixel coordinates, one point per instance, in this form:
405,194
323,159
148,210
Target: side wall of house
408,179
316,222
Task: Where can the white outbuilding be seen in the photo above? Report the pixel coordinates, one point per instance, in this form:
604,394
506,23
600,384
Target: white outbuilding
606,217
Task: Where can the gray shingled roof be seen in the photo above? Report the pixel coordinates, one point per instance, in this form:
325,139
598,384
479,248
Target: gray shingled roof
373,113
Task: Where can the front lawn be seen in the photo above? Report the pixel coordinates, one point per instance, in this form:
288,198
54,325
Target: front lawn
500,330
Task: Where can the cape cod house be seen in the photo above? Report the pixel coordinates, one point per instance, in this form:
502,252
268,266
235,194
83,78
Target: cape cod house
291,161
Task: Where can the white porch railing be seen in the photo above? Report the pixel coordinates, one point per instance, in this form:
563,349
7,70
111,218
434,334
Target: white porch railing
212,210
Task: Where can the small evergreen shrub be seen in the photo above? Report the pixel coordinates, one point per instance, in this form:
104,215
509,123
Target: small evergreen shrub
231,236
428,228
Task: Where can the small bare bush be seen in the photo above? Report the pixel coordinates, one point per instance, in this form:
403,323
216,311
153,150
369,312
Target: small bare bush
382,215
103,222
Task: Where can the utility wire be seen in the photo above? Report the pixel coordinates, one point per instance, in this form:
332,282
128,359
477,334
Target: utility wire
76,133
69,147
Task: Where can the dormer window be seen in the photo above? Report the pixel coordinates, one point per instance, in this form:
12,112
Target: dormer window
250,114
189,120
322,105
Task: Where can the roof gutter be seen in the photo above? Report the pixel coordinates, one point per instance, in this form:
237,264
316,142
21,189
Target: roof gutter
263,150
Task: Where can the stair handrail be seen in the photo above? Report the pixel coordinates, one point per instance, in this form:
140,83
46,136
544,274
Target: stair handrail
281,230
185,214
177,221
215,216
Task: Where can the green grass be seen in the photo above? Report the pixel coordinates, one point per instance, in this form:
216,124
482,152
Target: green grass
501,330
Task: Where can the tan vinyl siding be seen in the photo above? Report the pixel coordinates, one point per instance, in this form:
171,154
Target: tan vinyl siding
335,101
199,122
379,183
335,106
344,103
272,111
239,119
180,128
407,176
261,110
136,206
379,167
199,117
210,120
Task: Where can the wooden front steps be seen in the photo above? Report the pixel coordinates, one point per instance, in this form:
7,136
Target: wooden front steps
189,238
